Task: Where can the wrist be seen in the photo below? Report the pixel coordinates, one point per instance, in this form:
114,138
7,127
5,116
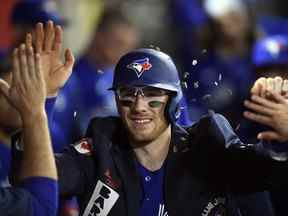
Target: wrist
34,117
52,93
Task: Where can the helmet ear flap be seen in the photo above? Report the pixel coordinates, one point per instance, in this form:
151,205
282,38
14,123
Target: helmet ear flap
172,109
177,112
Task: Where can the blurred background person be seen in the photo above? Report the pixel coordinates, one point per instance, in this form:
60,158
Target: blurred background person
218,62
22,18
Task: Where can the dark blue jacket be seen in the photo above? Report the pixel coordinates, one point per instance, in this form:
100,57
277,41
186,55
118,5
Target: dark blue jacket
207,168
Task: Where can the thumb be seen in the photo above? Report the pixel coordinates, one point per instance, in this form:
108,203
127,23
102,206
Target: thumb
270,135
4,88
69,59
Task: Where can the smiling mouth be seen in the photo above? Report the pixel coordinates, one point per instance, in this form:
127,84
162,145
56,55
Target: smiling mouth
142,121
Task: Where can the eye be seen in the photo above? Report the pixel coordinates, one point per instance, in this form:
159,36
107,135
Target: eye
155,104
126,92
126,103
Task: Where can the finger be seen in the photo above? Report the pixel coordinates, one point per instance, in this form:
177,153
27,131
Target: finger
24,77
269,135
285,87
69,60
278,81
39,72
258,85
264,102
16,67
263,87
38,69
28,39
49,36
278,97
258,108
39,37
58,40
4,88
30,61
261,119
270,85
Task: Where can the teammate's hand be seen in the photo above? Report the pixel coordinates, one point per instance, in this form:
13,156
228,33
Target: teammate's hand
48,43
27,91
263,86
271,112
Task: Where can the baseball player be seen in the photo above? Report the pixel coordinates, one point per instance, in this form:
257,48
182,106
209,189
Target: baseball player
143,163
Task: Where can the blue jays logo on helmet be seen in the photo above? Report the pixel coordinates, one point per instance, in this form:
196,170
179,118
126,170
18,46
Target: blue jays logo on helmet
140,66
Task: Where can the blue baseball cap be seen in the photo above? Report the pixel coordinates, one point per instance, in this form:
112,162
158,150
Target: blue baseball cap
30,12
271,50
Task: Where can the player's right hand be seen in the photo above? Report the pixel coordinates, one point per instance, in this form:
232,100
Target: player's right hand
48,43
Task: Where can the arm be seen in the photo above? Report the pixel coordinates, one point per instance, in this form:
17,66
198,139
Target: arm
27,94
243,167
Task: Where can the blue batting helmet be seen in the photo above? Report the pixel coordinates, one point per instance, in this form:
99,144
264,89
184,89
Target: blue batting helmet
272,50
149,67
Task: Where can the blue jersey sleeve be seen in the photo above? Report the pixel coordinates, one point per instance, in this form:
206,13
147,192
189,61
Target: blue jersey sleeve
15,201
36,197
5,159
44,193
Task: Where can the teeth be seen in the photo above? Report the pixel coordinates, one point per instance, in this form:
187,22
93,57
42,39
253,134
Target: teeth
142,121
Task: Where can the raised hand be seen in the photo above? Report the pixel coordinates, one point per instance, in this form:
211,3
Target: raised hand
27,92
48,43
270,113
269,106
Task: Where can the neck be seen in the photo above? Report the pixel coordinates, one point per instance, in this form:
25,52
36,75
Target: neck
153,154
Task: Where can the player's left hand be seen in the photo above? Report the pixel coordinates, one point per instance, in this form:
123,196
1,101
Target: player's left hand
27,91
271,112
48,43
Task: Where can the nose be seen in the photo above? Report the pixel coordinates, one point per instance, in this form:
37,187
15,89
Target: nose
139,105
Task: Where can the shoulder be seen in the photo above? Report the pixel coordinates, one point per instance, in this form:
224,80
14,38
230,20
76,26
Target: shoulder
210,120
214,127
104,125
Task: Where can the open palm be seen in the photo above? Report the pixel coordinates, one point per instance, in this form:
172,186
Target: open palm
48,43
